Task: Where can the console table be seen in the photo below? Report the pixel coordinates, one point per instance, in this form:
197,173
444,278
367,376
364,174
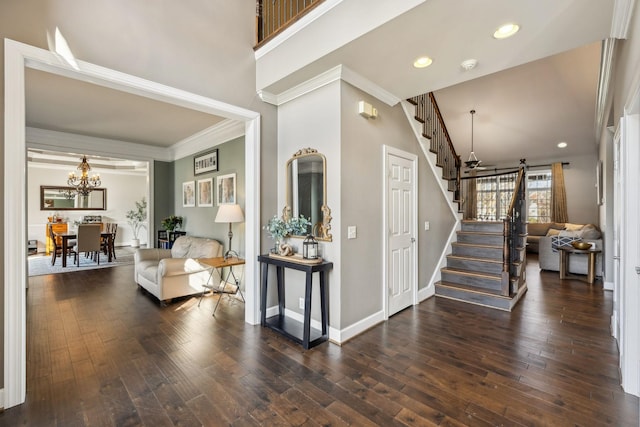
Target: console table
292,329
166,238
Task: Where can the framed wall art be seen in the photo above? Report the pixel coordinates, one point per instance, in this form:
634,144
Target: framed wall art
205,192
188,194
226,186
205,162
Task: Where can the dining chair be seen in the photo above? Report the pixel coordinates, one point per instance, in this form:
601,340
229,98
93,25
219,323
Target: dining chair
57,247
89,241
108,243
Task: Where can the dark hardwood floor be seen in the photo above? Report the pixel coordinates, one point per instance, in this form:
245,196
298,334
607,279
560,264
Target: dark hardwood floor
102,353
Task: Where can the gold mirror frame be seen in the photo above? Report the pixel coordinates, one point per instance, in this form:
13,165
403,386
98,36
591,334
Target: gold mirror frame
320,230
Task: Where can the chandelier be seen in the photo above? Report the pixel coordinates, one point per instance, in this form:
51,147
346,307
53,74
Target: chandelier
83,183
473,161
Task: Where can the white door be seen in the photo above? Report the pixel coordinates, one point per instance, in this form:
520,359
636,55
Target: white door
401,262
617,219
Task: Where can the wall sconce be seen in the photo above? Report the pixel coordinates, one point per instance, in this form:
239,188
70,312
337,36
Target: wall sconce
367,110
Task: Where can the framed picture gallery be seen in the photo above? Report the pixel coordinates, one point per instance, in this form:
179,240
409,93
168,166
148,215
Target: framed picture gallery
226,186
205,192
207,162
188,194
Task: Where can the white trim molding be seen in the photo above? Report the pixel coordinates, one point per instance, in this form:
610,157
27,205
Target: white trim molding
17,56
339,72
622,12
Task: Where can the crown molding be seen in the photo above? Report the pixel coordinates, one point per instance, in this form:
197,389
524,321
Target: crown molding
622,12
70,142
339,72
210,137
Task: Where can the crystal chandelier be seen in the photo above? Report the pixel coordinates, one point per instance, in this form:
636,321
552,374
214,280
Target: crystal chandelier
83,183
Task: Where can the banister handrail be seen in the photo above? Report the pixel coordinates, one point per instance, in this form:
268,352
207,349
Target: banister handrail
516,192
273,16
444,128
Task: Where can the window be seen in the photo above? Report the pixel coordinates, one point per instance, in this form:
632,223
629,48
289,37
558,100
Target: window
494,195
539,196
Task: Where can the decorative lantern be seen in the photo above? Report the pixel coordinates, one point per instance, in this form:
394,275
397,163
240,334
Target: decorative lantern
310,248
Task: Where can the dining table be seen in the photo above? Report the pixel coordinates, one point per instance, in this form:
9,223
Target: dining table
69,235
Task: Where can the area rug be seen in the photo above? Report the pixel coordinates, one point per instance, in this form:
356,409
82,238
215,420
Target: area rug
41,264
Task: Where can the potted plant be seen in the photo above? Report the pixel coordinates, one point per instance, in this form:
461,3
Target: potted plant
278,229
171,222
136,219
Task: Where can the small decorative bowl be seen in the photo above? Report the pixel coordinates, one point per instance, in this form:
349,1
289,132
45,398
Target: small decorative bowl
583,246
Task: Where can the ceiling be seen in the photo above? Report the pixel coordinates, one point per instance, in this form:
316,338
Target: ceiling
530,92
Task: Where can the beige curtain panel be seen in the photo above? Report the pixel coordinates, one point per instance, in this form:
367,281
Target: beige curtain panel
558,195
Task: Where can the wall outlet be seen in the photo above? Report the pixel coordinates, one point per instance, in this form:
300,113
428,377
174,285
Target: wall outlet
426,225
301,303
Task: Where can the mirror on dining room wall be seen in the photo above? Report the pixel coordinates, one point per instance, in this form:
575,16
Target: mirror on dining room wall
53,198
306,191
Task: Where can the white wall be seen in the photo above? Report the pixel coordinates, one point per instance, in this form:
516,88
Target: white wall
123,190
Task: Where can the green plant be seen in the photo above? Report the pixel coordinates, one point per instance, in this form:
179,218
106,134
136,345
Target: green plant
137,217
278,228
171,222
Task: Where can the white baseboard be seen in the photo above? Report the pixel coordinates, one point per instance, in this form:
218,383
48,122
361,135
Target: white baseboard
426,292
607,286
1,399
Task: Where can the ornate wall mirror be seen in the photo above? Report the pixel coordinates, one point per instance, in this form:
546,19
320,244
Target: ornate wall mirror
66,199
306,191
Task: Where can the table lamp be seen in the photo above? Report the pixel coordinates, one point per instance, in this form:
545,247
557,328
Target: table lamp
230,214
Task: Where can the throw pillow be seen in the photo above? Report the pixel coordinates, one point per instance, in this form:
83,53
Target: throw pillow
573,227
568,233
557,241
590,232
553,232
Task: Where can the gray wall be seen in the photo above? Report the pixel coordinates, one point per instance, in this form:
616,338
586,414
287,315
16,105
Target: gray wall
362,204
163,195
199,221
202,46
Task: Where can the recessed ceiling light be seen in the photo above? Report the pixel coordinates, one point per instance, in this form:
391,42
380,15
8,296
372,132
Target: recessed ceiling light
422,62
562,144
506,30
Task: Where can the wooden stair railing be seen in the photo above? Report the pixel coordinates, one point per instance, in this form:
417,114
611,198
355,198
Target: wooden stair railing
434,129
273,16
515,233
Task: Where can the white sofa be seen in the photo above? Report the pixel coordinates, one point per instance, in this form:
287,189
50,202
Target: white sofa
172,273
549,259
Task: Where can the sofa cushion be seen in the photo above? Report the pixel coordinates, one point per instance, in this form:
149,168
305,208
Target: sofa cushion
590,232
194,247
538,228
573,227
553,232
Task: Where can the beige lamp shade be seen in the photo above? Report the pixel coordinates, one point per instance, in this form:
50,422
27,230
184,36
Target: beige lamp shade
229,213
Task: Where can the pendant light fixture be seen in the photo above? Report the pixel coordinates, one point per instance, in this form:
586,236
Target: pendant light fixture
84,183
473,161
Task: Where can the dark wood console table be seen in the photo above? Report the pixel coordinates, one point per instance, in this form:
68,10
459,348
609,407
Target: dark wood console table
292,329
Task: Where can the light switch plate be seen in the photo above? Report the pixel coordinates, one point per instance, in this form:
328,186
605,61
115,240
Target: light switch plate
426,225
351,232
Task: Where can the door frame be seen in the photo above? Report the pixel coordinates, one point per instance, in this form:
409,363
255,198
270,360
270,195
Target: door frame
19,56
386,152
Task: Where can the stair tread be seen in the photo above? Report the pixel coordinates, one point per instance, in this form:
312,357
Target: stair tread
475,258
474,289
474,221
490,233
476,245
472,273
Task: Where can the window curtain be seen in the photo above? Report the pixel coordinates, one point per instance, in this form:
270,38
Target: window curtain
558,195
470,200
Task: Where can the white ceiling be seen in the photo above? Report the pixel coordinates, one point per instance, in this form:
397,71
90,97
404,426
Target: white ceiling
530,91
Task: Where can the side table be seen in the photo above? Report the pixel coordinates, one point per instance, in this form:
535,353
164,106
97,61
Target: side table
565,250
300,333
220,263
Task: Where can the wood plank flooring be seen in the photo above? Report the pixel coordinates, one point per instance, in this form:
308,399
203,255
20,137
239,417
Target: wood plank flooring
103,353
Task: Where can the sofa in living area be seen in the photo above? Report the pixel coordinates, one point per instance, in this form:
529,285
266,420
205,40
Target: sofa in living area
564,234
175,272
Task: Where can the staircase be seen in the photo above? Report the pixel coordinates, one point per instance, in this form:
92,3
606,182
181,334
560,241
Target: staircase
475,268
487,263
